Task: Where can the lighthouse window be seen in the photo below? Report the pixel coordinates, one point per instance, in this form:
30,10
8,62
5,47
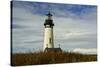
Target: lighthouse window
50,40
46,45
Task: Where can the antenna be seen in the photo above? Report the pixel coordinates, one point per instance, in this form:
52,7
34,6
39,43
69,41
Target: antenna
49,8
59,45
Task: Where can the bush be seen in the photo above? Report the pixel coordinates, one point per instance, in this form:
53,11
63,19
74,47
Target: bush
49,58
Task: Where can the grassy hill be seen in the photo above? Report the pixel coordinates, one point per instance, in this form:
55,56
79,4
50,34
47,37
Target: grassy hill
49,58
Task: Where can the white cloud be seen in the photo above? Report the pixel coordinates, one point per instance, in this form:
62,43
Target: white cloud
86,51
28,34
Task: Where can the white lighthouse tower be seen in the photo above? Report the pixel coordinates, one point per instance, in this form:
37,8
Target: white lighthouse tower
48,32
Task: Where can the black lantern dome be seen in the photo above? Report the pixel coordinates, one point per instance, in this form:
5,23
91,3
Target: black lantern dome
49,21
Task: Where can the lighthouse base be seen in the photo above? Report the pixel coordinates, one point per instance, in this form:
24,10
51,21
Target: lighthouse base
53,50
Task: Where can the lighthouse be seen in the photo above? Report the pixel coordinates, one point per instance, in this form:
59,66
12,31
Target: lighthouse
48,32
49,36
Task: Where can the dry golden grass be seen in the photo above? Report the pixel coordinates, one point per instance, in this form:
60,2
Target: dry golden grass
49,58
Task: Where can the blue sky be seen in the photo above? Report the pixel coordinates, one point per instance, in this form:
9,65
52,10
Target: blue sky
75,25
